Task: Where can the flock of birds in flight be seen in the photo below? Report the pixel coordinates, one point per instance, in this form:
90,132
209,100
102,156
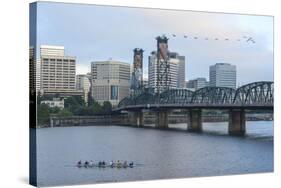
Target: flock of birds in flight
244,38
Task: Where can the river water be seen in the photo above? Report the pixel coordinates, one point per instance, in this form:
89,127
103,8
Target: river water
158,154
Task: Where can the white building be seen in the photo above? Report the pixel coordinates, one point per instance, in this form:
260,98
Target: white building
197,83
176,74
223,75
83,84
110,81
48,50
38,74
145,82
56,102
57,70
32,70
181,71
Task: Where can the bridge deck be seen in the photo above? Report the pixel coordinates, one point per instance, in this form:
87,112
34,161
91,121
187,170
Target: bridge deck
193,106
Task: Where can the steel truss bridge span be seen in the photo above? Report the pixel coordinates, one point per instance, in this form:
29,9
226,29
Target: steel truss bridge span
256,95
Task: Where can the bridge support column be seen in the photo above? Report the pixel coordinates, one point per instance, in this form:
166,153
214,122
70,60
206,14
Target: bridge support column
162,119
136,119
236,122
194,123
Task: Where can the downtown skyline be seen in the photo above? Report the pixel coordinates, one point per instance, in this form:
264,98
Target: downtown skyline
94,39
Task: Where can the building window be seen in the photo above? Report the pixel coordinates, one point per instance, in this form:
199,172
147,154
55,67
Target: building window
114,93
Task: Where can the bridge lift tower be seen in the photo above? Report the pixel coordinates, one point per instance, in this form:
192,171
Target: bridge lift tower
163,65
137,74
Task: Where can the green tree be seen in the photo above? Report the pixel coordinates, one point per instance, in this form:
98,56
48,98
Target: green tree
72,104
90,99
85,110
79,100
54,110
107,107
64,113
97,108
43,113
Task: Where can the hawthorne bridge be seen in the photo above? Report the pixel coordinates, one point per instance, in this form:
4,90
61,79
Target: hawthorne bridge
253,96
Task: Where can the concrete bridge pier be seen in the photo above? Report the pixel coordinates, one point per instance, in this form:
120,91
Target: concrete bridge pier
236,122
136,118
162,119
194,123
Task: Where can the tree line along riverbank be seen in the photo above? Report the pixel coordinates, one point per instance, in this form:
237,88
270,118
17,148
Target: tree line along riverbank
73,106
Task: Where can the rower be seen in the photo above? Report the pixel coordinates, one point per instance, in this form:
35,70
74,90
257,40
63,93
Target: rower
91,163
111,163
86,163
125,164
119,164
79,163
131,164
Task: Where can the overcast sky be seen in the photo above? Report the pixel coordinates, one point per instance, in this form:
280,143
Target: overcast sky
93,33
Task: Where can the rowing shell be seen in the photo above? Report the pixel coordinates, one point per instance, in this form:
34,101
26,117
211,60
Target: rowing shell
105,166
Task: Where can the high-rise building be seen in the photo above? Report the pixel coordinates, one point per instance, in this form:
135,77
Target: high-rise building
48,50
83,84
190,84
181,74
173,56
32,71
110,81
222,75
57,70
197,83
176,74
38,75
145,83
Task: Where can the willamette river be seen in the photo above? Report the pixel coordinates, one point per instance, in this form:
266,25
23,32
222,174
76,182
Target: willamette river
158,154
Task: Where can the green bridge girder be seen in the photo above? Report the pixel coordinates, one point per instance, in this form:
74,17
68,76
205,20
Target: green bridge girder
254,93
